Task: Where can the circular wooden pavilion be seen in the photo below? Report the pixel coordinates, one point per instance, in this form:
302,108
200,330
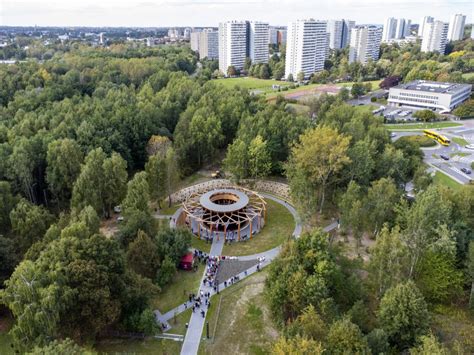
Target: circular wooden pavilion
234,213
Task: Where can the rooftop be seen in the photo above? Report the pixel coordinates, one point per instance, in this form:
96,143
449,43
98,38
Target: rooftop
434,86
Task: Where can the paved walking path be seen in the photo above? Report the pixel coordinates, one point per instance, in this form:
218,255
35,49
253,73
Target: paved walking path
193,335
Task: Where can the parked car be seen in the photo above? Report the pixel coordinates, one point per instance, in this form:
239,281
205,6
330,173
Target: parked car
466,171
392,135
444,157
120,219
117,209
470,146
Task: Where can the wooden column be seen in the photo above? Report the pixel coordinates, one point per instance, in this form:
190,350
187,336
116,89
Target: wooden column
250,228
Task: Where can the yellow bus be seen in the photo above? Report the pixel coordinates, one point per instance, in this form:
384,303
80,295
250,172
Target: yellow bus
437,137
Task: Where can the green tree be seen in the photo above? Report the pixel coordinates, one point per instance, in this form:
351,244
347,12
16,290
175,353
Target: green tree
470,272
7,203
345,337
115,181
156,169
425,115
60,347
290,78
231,71
378,341
138,195
308,324
279,71
142,256
8,258
29,223
357,90
297,346
64,158
403,314
260,163
388,262
166,271
321,153
429,346
206,132
382,198
236,160
437,277
300,76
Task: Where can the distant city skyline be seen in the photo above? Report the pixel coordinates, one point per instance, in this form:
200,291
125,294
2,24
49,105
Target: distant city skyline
167,13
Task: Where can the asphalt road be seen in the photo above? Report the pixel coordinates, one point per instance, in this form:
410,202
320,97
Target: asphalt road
459,156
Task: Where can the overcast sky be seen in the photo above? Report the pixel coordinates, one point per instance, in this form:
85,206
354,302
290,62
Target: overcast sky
161,13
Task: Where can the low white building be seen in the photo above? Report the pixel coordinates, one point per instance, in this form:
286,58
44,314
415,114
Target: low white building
429,95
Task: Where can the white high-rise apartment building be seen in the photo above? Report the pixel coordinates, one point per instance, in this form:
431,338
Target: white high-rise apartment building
232,45
456,27
306,47
258,42
407,31
400,28
365,44
389,29
472,31
208,43
423,22
395,29
435,36
195,38
339,33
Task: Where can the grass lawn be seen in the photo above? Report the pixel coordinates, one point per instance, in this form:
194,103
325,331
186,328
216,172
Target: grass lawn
298,109
443,179
454,323
278,228
200,244
274,94
175,293
178,324
132,346
460,141
375,84
169,210
251,83
460,154
468,75
415,126
243,324
365,108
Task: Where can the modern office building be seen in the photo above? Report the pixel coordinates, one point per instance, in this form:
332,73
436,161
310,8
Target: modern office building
306,48
339,33
365,43
423,22
258,42
456,27
429,95
435,36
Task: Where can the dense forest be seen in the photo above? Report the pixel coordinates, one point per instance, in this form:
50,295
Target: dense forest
85,129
